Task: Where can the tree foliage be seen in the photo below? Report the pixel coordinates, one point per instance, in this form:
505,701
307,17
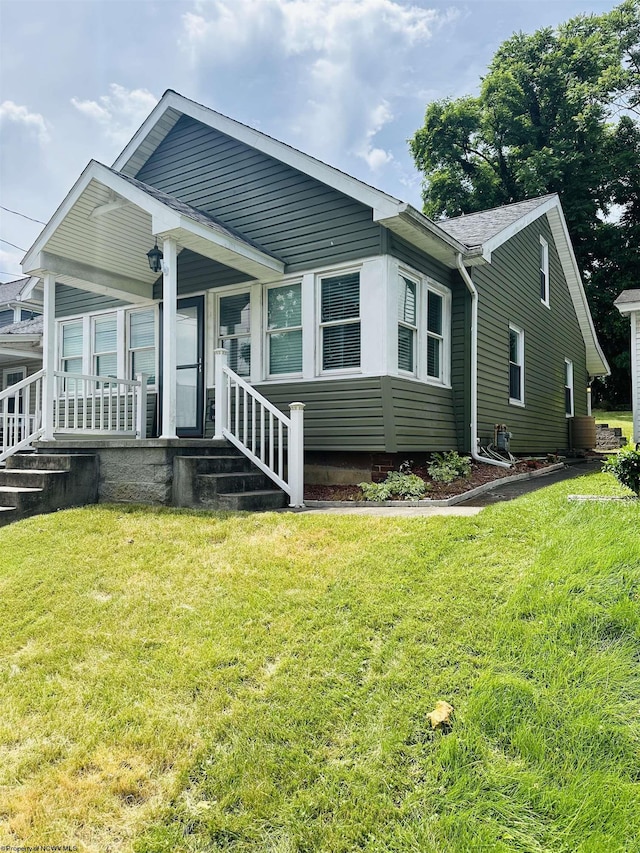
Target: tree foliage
558,111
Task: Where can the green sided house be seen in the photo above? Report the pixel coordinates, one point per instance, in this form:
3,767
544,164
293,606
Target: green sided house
214,276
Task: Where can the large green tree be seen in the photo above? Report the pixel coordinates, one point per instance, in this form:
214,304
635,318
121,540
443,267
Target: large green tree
557,112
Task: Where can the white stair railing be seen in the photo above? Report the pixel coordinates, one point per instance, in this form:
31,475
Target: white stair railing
100,405
21,414
270,439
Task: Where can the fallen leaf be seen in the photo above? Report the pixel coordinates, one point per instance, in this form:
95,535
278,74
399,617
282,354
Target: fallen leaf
440,717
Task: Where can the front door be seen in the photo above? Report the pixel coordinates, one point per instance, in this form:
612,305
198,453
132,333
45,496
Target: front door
190,367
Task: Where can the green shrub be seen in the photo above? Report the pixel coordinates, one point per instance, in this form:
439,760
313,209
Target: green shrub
447,467
625,467
396,485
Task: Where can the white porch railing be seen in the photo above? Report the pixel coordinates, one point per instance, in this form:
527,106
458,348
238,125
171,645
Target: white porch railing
270,439
100,405
21,414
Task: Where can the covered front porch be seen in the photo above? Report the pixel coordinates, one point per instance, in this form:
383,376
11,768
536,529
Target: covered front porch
130,355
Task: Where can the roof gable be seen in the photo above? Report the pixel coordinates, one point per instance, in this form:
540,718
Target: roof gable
491,228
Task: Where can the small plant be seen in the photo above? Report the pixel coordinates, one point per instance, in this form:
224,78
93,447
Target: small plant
396,485
450,466
625,467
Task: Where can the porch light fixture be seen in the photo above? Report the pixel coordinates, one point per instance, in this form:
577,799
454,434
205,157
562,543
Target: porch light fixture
155,258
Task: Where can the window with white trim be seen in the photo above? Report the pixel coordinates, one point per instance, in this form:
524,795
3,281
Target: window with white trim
407,324
516,365
435,335
284,329
340,321
71,346
104,345
141,344
568,388
7,317
544,271
234,330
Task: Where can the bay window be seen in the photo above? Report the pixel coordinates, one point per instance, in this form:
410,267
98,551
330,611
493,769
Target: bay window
435,335
407,324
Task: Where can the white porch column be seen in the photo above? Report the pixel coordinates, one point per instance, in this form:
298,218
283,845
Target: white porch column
49,354
169,324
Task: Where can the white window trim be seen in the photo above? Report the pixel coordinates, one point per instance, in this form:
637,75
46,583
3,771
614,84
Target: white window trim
425,284
268,332
568,373
88,355
335,273
544,270
7,370
415,328
514,401
127,342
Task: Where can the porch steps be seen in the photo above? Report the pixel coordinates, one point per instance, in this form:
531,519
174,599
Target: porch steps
34,483
226,481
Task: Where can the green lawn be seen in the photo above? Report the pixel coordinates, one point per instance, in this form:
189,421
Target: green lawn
176,681
623,420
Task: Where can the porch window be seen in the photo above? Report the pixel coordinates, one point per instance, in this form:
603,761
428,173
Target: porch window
516,366
6,317
71,348
235,331
568,388
340,321
105,345
407,324
284,329
141,356
435,335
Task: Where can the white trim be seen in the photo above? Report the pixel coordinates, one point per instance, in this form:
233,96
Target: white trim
384,204
544,270
568,375
266,332
520,224
7,370
517,401
336,273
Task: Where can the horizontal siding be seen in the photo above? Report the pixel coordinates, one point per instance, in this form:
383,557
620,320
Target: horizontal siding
420,261
509,291
420,417
288,213
197,273
71,301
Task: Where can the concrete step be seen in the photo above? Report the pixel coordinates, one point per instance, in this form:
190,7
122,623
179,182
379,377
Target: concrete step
24,500
207,487
30,478
49,461
8,514
263,499
215,464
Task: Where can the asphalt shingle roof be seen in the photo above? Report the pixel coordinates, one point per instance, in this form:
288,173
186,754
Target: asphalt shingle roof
10,290
24,327
474,229
627,296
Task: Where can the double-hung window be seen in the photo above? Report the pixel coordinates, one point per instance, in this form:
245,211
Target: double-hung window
544,271
141,344
105,345
284,329
234,331
516,365
435,335
340,321
568,388
71,346
407,324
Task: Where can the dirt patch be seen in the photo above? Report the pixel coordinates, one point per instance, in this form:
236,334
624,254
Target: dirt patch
480,474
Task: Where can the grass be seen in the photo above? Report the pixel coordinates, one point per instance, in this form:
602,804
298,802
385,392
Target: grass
623,420
176,681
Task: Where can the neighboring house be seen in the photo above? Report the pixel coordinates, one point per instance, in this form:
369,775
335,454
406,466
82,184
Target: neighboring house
400,335
628,303
20,330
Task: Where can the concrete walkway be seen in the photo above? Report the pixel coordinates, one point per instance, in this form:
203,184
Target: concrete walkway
504,492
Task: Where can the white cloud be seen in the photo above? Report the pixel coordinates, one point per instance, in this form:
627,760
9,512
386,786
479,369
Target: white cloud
17,114
120,112
336,66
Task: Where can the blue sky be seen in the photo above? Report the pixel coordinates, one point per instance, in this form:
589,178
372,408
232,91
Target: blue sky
344,80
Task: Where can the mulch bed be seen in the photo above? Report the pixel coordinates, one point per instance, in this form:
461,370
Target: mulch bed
480,474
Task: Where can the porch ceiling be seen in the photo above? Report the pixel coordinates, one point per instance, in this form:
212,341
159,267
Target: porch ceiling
99,237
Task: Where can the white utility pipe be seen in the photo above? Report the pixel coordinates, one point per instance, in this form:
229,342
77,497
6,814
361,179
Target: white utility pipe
475,441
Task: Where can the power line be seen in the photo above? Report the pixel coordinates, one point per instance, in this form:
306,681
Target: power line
19,248
24,216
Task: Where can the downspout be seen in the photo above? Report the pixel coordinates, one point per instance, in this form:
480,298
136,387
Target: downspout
475,441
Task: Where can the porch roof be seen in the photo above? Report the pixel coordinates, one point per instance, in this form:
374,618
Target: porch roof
99,237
